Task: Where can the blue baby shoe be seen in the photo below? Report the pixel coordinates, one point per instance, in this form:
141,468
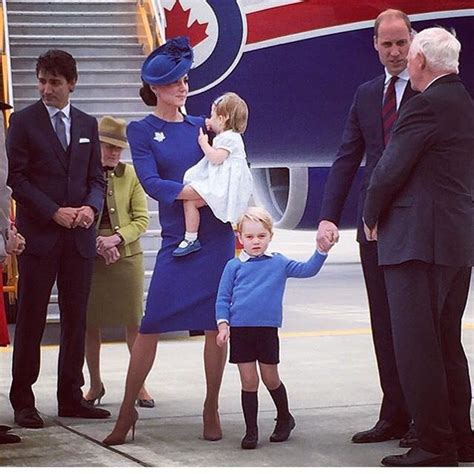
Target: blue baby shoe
186,247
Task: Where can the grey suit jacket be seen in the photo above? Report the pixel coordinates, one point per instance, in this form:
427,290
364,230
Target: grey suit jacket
421,191
5,192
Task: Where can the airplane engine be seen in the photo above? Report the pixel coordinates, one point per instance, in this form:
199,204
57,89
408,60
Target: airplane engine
294,195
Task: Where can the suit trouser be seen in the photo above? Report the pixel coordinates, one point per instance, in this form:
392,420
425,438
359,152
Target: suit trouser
393,408
37,275
427,303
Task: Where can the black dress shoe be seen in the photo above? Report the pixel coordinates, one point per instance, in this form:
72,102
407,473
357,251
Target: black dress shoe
282,429
84,410
382,431
5,428
409,439
7,438
250,440
28,418
418,457
466,453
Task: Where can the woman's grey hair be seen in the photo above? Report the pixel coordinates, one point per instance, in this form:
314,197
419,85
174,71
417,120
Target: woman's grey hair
440,48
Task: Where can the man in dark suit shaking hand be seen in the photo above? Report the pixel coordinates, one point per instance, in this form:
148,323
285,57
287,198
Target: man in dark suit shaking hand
56,178
371,116
419,207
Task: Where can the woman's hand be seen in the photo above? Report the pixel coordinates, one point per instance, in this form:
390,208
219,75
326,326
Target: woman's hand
110,255
223,334
106,243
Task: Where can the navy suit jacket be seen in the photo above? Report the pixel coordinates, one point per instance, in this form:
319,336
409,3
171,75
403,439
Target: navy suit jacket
363,136
44,178
422,190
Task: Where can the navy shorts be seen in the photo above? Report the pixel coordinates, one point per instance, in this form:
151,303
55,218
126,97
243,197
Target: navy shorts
249,344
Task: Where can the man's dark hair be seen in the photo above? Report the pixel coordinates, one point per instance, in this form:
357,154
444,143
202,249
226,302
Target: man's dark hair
58,63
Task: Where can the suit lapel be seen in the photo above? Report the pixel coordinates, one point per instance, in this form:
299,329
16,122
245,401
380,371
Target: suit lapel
376,105
45,124
76,133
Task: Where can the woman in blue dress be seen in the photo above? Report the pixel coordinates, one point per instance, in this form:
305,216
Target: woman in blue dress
182,292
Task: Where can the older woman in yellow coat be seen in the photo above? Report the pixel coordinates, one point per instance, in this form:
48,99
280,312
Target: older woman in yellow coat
116,297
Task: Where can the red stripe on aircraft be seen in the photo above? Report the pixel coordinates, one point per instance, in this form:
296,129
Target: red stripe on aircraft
314,14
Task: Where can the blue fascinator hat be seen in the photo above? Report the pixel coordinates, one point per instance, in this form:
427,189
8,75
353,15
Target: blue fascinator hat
166,64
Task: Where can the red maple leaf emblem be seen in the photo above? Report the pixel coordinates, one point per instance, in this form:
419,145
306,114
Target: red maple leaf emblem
177,25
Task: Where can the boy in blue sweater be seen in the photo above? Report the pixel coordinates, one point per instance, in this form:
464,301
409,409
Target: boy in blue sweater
249,312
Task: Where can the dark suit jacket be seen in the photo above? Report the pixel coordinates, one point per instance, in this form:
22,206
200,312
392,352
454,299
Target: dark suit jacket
363,136
421,192
44,178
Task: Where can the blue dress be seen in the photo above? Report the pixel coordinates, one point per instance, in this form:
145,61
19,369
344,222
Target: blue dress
182,292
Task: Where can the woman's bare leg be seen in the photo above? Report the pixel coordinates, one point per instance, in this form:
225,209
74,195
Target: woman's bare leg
131,333
93,341
141,362
214,363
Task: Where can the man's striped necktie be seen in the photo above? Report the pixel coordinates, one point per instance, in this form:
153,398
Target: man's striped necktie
389,110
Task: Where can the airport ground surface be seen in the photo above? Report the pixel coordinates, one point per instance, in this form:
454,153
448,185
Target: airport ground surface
328,367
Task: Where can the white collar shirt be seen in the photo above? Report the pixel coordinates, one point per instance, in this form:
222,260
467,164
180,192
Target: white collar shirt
400,85
244,256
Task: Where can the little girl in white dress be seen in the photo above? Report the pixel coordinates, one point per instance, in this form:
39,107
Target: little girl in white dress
222,179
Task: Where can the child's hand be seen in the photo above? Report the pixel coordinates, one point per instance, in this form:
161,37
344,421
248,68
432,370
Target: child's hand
223,335
203,139
327,236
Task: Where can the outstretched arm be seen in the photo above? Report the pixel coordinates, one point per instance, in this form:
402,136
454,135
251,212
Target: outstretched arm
306,269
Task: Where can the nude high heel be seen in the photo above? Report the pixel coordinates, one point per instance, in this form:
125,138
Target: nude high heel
121,429
212,425
98,398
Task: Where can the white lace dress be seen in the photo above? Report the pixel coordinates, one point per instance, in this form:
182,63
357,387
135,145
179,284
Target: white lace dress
227,187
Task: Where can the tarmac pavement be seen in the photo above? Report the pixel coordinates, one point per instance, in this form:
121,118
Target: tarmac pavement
327,365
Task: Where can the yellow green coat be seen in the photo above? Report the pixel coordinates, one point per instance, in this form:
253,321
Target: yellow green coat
116,297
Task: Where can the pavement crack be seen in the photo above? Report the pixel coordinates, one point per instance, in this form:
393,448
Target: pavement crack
102,445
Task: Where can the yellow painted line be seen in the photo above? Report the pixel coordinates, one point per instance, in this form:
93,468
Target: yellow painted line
330,332
333,332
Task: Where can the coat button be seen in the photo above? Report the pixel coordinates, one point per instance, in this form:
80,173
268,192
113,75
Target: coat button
112,174
112,210
110,193
116,227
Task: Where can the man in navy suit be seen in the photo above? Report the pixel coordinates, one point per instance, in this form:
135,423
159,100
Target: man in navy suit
365,135
56,178
419,207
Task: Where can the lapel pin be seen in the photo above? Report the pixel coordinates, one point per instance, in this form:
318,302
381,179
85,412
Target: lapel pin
159,136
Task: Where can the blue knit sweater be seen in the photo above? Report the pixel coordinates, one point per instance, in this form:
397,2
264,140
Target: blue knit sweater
251,293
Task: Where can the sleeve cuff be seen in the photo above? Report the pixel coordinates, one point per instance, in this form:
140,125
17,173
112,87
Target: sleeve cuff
221,320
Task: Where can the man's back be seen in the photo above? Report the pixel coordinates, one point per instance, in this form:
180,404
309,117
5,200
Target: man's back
431,218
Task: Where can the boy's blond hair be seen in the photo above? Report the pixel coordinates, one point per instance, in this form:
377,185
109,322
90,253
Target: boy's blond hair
256,214
234,109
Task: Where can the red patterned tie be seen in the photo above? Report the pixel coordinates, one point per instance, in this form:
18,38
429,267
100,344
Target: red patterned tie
389,110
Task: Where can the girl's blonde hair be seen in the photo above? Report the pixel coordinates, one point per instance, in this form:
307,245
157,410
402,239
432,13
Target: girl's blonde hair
256,214
234,109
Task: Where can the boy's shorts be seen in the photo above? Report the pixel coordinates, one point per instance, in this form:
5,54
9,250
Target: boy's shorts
249,344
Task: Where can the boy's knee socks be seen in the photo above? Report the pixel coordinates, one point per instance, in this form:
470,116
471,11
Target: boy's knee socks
280,398
250,409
